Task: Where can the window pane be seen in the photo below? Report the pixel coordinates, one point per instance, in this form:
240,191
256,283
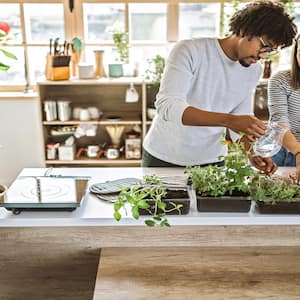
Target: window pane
148,22
37,62
44,21
98,18
10,13
15,74
196,20
229,9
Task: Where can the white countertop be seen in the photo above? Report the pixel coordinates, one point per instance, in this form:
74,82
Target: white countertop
94,212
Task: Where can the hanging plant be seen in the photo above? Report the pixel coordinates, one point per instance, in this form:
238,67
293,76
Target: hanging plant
4,37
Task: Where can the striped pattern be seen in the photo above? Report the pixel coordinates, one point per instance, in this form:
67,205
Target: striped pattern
284,102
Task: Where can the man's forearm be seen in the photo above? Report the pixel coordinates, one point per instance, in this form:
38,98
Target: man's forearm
196,117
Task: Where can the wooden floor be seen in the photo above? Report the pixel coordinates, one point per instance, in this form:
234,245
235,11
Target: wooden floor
50,270
199,273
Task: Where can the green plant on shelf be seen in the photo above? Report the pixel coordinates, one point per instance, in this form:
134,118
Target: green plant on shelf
121,41
138,197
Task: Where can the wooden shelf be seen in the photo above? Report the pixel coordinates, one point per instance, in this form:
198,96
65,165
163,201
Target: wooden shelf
100,161
108,95
100,81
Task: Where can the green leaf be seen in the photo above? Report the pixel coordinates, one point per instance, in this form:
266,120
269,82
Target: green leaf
150,223
117,206
143,204
135,212
3,67
117,216
8,54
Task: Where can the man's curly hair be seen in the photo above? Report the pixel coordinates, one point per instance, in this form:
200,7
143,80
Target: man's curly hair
265,17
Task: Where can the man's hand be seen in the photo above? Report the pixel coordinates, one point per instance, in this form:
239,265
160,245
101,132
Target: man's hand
264,164
250,125
297,179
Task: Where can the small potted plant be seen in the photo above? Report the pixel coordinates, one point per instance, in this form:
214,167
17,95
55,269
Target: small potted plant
156,66
224,188
121,51
152,197
276,194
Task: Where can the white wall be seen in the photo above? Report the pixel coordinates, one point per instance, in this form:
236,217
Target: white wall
20,137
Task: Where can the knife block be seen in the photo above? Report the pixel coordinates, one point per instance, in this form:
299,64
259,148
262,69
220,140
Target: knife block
57,67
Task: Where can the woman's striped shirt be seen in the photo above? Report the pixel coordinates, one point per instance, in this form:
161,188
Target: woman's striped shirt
284,102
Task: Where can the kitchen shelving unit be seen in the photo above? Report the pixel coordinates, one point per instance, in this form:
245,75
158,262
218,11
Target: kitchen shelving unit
106,94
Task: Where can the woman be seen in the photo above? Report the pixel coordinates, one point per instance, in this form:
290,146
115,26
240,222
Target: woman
284,106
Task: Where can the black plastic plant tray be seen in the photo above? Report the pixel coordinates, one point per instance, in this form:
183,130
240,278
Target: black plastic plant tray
174,196
224,204
278,207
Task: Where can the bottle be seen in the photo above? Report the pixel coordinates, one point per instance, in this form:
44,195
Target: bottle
99,69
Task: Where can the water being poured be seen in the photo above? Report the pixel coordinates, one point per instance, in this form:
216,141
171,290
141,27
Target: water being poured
267,150
270,144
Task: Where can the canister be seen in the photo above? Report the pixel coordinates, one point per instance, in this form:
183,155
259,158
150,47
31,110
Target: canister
64,110
50,110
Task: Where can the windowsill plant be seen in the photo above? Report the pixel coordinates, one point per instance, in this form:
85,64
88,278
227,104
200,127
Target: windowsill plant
121,50
4,37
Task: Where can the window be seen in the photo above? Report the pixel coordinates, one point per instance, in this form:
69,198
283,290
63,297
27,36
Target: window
196,20
153,29
148,22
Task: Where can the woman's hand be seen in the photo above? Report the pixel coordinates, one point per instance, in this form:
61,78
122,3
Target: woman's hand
265,164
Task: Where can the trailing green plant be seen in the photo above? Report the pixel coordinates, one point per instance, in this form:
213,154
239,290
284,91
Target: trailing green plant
137,197
274,189
233,177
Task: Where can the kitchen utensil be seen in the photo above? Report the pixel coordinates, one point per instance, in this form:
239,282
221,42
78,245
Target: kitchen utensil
115,133
61,60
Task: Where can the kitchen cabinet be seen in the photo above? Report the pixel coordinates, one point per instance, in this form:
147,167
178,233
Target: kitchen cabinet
108,96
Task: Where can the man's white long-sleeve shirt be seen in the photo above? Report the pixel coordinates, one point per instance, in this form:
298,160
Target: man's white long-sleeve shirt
198,74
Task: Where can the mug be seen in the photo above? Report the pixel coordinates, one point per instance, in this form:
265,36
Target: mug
84,115
92,150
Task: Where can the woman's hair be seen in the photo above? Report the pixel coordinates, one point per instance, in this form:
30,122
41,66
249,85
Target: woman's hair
295,69
267,18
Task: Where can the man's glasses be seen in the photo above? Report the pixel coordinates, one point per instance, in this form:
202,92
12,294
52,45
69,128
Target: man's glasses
265,48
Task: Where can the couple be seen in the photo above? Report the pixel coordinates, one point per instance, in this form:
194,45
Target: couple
208,86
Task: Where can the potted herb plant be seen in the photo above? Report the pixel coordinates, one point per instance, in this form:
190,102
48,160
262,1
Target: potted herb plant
156,66
276,194
152,197
224,188
121,51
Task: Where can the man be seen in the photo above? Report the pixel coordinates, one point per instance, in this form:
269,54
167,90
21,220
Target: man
208,86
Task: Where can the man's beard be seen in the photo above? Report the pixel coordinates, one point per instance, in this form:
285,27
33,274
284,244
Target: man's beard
243,63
